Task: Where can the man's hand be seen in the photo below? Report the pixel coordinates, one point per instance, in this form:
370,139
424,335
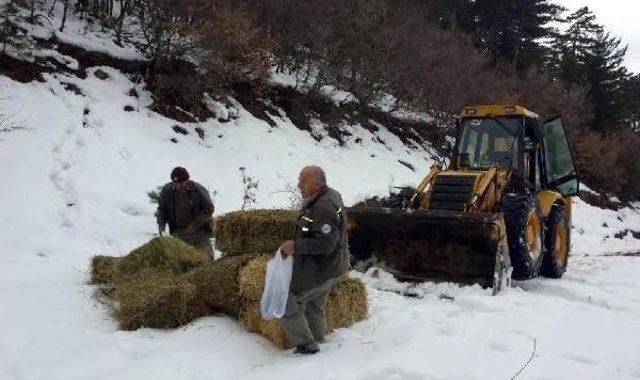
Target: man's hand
160,230
288,247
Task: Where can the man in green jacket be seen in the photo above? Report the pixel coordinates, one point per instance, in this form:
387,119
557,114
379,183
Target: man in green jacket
320,258
186,207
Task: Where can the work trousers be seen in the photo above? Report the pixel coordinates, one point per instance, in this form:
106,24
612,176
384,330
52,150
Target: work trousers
304,320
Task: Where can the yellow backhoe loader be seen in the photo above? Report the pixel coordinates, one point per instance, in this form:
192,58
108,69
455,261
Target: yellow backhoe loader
501,210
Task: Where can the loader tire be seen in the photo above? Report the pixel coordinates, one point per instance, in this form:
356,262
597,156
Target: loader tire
524,234
557,243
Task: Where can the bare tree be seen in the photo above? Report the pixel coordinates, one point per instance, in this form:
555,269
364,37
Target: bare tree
119,24
233,49
32,10
64,14
250,189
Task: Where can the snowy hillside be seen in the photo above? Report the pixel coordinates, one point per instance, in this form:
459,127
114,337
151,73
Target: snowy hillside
74,185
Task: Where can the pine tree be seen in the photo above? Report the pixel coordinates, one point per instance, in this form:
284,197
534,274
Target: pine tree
606,77
8,11
632,94
513,30
587,55
13,38
570,48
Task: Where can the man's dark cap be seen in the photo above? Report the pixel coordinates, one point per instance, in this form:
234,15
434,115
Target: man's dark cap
179,174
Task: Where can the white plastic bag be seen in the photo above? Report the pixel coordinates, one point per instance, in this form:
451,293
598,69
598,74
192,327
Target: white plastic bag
276,286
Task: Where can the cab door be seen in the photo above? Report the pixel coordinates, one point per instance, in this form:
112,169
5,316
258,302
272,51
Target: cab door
559,171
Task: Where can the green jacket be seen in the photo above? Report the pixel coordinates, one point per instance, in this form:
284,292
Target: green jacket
201,207
321,248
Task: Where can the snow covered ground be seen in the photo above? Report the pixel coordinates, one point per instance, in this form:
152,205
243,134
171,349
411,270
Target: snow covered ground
74,185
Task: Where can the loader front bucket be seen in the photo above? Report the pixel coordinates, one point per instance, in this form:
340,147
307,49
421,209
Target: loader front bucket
465,248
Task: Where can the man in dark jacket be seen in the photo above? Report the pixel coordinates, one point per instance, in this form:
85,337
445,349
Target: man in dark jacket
186,207
320,258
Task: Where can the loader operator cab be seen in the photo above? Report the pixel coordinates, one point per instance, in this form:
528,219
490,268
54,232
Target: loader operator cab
485,141
495,135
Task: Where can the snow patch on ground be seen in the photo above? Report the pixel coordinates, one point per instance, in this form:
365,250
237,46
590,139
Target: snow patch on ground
594,229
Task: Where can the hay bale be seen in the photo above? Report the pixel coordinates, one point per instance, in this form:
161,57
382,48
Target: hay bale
252,277
250,316
346,305
248,232
272,329
159,298
167,283
274,332
156,299
161,253
217,284
103,269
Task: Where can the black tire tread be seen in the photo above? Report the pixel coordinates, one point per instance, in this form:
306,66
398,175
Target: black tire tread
516,209
550,266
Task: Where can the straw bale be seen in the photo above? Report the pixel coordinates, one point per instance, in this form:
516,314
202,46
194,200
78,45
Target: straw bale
161,253
247,232
272,329
252,277
167,283
161,299
346,305
103,269
217,284
250,316
155,299
274,332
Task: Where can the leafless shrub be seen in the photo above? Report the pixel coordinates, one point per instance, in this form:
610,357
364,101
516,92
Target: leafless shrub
7,122
249,190
233,49
293,195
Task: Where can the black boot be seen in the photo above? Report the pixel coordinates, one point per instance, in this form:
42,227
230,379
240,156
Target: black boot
305,350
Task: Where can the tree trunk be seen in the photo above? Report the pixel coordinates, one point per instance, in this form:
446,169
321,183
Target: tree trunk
52,8
5,30
120,21
64,15
454,17
518,42
32,10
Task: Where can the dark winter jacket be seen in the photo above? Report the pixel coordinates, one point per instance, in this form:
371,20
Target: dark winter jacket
201,208
321,248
